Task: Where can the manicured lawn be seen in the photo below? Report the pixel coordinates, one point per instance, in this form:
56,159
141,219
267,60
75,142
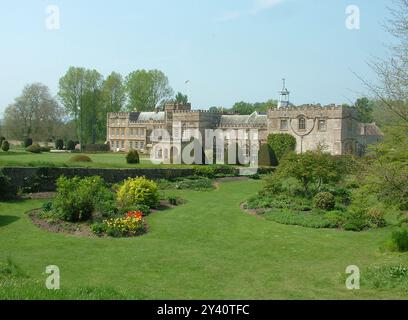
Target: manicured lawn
206,249
100,160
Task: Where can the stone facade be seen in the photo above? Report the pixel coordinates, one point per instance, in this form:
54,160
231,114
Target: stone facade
334,127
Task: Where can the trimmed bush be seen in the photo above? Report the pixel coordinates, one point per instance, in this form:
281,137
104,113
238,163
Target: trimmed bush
266,156
28,142
34,148
5,146
45,149
325,201
102,147
80,158
132,157
138,191
399,239
71,145
59,144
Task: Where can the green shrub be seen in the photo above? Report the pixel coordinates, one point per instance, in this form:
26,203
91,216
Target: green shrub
28,142
80,158
173,200
34,148
99,228
5,146
324,201
205,171
400,239
136,191
59,144
45,149
132,157
71,145
47,206
266,156
281,144
375,217
77,199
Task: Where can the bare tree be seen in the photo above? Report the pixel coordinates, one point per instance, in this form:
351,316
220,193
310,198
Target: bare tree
392,87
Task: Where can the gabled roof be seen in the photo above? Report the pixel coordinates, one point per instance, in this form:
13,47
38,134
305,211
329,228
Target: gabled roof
371,129
147,116
255,119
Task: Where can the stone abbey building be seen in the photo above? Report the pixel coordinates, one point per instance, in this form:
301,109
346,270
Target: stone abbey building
335,127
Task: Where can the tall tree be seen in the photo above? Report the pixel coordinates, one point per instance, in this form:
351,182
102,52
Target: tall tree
94,120
147,89
81,94
365,109
113,93
35,113
71,93
181,98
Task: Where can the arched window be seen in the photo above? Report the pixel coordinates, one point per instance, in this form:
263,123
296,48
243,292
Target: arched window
302,123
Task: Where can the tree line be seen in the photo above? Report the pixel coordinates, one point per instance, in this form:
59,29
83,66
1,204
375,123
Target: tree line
78,112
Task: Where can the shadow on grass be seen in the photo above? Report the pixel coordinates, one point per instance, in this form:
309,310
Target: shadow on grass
6,220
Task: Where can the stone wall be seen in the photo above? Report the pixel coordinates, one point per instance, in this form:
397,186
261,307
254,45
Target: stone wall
46,177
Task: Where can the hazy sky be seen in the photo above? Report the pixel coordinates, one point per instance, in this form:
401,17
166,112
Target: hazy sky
230,50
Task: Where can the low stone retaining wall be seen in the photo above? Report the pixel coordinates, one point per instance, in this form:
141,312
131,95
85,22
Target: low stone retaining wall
43,179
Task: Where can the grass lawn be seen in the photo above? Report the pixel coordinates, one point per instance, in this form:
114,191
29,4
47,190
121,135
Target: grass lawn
100,160
205,249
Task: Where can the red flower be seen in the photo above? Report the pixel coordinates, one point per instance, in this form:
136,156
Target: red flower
135,214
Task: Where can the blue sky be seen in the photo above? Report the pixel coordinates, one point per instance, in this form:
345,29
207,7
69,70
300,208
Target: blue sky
230,50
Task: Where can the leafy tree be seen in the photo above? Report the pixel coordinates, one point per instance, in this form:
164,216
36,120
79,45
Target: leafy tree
147,89
243,108
181,98
281,144
365,109
70,145
34,113
313,169
71,93
113,93
80,91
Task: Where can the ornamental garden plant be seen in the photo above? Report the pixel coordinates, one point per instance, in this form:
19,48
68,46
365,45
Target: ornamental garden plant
89,203
318,190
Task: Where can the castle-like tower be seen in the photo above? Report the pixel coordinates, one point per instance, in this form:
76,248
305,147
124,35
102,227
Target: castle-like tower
284,94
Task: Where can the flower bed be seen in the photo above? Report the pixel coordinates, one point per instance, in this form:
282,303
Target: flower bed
131,225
